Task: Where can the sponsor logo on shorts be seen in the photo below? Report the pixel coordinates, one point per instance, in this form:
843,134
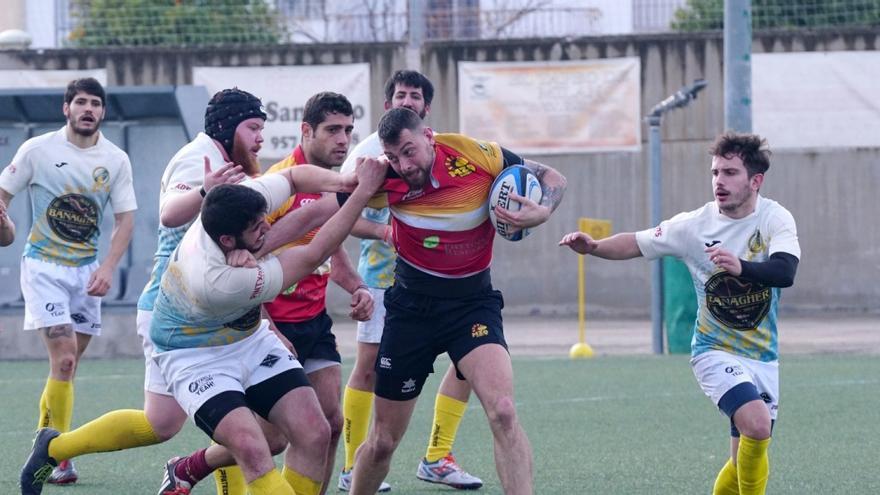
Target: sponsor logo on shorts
78,318
479,330
55,309
408,386
270,360
766,398
735,370
385,363
737,303
201,385
96,326
658,231
73,217
60,164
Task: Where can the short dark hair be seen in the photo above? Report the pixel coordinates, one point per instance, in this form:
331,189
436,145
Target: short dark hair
395,121
229,209
751,148
412,79
87,85
322,104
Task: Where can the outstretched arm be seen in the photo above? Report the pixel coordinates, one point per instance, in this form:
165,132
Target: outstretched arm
617,247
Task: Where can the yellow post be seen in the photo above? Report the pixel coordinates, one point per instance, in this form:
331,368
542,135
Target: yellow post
597,229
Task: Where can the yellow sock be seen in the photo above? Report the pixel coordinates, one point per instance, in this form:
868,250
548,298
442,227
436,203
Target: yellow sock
271,483
44,421
116,430
447,416
727,483
230,481
58,406
302,485
752,465
357,406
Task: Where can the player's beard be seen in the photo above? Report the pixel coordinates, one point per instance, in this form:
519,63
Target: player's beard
241,244
86,132
241,155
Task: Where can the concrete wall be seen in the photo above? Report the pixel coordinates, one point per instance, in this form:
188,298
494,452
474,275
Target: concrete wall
832,193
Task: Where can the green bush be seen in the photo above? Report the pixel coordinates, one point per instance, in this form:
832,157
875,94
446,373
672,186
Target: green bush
173,23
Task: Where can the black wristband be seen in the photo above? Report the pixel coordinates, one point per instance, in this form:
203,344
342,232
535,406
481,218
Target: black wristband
202,191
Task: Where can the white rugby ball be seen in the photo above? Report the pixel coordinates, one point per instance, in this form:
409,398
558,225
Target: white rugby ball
520,180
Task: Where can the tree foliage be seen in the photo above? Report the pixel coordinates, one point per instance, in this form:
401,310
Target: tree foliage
173,22
707,15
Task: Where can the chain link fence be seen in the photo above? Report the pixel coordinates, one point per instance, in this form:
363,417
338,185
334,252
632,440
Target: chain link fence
89,23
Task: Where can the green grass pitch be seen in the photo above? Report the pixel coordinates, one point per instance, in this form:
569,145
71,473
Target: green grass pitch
609,425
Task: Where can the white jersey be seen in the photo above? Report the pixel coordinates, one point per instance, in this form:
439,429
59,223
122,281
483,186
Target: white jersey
376,262
69,189
185,172
735,315
203,302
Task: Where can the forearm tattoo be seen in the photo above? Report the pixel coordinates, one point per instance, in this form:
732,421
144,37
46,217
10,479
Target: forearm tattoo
553,187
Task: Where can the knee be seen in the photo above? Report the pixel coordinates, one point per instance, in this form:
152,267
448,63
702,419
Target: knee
317,435
166,426
65,363
383,445
502,414
756,428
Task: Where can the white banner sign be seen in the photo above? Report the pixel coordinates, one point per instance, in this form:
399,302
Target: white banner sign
47,78
284,91
552,107
817,99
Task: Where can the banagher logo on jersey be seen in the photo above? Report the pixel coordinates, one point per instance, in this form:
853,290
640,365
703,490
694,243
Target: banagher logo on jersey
459,166
479,330
73,217
247,321
737,303
756,242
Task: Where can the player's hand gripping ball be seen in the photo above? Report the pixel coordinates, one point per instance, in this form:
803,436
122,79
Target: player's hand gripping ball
516,179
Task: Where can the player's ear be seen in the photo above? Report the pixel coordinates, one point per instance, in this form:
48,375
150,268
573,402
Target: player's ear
306,129
429,133
227,242
757,181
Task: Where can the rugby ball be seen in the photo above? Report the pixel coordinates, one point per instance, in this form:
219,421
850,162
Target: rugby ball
520,180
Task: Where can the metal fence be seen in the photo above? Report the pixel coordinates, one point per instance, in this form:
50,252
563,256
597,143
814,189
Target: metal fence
210,22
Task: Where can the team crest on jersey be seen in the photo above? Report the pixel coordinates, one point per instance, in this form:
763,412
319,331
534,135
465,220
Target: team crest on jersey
101,175
459,166
756,242
737,303
73,217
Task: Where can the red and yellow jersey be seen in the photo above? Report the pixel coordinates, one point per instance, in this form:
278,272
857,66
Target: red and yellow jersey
306,298
444,228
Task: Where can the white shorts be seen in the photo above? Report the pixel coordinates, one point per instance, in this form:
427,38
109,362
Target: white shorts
719,371
56,295
153,379
197,374
370,331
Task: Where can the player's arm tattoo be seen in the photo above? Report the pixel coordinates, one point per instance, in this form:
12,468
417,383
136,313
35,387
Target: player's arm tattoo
553,183
59,331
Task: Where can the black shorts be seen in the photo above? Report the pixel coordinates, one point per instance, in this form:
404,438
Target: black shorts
312,339
419,327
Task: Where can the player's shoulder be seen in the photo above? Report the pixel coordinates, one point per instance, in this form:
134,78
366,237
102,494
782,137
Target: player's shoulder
41,141
474,149
773,211
705,212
